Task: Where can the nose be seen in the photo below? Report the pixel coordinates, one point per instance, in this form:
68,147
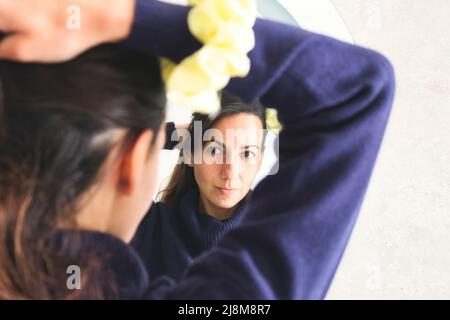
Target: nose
230,171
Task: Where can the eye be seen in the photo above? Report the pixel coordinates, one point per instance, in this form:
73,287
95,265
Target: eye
249,154
214,150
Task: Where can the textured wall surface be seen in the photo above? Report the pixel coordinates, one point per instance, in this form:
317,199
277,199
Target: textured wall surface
400,247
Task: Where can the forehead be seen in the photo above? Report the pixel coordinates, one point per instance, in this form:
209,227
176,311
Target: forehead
240,129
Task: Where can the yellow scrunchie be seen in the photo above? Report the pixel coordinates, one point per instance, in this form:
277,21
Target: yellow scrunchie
225,29
272,122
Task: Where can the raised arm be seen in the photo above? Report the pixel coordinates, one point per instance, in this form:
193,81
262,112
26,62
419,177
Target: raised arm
334,101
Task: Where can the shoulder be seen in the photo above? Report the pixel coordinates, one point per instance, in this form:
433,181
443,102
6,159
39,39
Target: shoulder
157,216
157,211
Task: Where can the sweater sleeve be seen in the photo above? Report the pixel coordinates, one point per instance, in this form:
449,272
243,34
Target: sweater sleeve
334,100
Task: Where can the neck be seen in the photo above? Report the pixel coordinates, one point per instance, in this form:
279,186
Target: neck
217,212
98,213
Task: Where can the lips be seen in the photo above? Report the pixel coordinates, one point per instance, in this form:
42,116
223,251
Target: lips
225,191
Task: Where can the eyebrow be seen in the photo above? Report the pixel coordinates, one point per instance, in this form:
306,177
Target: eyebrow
249,146
224,147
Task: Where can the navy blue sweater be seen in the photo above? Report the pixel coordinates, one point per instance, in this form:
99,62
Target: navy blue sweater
334,100
169,238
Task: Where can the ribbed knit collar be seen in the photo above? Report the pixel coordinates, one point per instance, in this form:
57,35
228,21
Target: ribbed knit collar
204,229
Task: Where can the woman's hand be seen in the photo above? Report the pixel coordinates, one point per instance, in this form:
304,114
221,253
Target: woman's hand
182,131
182,126
58,30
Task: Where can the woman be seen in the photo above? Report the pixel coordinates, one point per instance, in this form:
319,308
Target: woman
334,101
195,211
69,130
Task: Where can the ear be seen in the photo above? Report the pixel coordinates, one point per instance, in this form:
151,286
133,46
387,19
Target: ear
132,165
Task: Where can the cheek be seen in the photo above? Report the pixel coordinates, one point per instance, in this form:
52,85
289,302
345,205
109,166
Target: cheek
149,182
205,174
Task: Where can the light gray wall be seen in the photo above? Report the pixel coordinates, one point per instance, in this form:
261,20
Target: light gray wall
401,245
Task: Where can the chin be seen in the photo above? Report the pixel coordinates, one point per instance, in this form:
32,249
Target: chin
227,203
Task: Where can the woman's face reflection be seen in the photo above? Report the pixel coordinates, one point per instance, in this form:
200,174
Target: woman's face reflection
229,163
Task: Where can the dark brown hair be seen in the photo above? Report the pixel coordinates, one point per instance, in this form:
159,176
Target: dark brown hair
182,179
49,116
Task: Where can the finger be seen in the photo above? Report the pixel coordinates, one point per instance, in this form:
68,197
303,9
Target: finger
16,47
9,15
